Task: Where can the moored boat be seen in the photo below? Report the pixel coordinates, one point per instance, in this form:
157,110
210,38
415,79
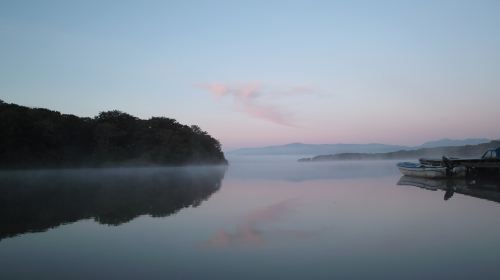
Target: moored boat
430,171
446,167
421,170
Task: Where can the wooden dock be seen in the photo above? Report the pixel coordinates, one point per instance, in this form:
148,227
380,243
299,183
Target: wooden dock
487,165
478,168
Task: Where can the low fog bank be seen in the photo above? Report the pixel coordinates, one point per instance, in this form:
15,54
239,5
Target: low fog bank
287,168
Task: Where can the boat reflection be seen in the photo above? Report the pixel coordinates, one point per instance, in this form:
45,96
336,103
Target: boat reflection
488,189
34,201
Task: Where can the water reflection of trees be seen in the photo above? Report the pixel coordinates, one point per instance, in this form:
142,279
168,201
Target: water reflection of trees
484,188
38,200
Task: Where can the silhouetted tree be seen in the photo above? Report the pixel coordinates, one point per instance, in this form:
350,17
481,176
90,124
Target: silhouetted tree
34,137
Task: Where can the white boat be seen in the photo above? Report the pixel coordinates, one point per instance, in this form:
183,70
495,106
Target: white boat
429,171
421,170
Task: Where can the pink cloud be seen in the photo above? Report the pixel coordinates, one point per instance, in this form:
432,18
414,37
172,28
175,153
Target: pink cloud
265,112
299,90
218,90
246,100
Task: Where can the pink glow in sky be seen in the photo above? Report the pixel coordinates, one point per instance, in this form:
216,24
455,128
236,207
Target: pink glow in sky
264,72
246,100
265,114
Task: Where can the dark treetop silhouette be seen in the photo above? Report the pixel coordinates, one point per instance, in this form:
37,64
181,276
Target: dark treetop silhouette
33,201
34,137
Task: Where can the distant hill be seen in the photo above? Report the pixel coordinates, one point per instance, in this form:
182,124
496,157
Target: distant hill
324,149
41,138
316,149
467,151
453,142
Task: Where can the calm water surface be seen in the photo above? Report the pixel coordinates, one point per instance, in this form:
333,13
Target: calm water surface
258,219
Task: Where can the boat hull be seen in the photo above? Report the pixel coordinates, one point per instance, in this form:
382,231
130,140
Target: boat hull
430,183
425,172
429,171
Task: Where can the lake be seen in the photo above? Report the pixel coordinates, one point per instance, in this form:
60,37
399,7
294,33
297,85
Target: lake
258,218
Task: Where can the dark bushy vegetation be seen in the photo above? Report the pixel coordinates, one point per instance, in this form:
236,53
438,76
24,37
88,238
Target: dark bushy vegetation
34,137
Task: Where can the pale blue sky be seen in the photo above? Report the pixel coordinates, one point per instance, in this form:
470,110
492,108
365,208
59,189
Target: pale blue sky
314,71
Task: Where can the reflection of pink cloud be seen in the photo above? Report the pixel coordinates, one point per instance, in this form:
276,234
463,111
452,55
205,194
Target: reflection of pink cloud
245,97
272,213
248,233
245,235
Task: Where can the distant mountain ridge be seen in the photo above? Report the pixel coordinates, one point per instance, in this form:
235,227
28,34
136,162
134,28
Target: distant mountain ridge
324,149
445,142
466,151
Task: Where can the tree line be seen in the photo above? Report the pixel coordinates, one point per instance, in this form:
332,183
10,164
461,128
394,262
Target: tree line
37,137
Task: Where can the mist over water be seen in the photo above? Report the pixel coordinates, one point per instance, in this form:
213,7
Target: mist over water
289,169
258,218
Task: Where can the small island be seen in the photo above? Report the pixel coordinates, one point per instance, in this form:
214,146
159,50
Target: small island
42,138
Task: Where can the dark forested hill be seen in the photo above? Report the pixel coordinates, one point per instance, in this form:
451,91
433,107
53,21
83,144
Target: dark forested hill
34,137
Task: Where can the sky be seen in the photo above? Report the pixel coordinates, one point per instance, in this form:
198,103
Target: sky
257,73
